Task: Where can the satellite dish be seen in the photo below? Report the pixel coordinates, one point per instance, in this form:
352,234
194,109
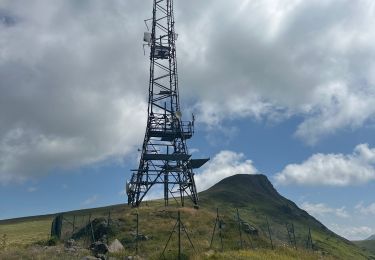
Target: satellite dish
147,37
178,114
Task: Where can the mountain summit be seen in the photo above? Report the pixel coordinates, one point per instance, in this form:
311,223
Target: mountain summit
244,188
254,192
259,202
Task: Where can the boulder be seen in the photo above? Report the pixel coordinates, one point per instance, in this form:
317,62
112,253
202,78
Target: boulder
99,227
116,246
70,243
98,248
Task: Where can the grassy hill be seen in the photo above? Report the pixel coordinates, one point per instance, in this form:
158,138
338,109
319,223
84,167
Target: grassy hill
258,200
368,245
253,195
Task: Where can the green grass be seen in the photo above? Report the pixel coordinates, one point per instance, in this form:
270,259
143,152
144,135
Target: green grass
255,198
368,245
262,254
25,232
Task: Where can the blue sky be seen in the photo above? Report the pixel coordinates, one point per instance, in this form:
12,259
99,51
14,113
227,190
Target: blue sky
283,89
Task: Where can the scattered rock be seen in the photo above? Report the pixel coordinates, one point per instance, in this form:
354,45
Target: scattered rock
115,247
70,250
250,229
101,256
98,248
70,243
140,237
133,257
89,257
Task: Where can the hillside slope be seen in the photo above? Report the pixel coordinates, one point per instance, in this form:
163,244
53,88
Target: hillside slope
259,201
255,198
368,245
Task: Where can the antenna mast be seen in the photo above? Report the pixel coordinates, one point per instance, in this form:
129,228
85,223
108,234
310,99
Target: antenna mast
165,158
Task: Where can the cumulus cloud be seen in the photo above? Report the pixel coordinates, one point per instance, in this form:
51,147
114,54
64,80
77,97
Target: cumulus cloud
338,107
348,222
321,209
366,210
308,58
223,165
332,169
70,88
352,232
74,78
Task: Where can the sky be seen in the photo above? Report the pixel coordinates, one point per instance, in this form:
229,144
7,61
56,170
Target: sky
281,88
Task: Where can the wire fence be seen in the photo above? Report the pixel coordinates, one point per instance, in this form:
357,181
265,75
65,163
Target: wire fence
228,231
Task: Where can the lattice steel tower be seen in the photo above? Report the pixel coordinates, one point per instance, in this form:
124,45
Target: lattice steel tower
165,158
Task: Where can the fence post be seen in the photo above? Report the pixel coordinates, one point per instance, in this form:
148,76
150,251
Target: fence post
179,236
294,237
137,235
239,227
269,232
74,223
218,223
109,217
309,240
92,229
180,226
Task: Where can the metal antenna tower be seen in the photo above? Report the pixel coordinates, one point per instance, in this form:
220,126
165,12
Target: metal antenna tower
165,158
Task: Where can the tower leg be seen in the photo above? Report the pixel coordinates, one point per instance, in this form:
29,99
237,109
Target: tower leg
166,189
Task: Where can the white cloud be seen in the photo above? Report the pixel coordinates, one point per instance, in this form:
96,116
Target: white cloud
346,222
74,78
366,210
352,232
32,189
332,169
336,107
223,165
279,62
212,113
70,90
321,209
90,201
